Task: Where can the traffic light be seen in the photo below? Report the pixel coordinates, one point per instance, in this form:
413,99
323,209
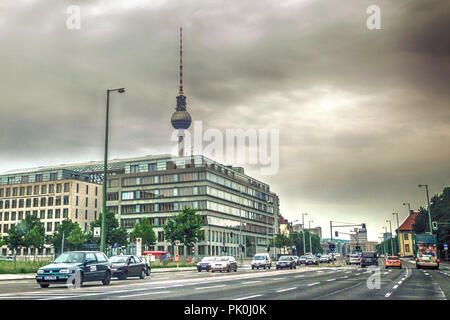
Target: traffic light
435,225
268,249
358,248
364,227
332,247
336,234
193,249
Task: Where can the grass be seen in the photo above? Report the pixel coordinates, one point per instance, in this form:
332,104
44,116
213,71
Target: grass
7,267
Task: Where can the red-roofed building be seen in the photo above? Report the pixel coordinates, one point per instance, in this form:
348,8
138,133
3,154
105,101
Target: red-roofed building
406,234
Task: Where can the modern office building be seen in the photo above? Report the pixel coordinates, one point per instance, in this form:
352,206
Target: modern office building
53,195
233,205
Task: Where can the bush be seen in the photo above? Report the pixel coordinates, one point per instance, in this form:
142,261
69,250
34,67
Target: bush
7,267
172,264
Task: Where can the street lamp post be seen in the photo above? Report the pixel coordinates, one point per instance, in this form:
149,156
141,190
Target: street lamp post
392,243
382,243
398,235
303,231
309,229
105,169
428,202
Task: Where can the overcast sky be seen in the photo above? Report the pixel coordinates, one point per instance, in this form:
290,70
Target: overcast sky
363,114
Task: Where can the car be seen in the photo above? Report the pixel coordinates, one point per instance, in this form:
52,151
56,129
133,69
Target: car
325,259
393,261
224,264
6,258
285,262
205,263
76,266
302,260
353,259
369,259
125,266
297,260
148,268
311,259
261,260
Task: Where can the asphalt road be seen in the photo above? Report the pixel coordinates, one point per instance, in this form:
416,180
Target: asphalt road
307,283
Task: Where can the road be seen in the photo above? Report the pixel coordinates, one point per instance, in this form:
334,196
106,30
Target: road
306,283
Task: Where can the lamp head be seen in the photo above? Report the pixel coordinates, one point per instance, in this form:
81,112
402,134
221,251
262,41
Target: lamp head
121,90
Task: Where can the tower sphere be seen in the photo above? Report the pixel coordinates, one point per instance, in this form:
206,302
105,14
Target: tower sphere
181,120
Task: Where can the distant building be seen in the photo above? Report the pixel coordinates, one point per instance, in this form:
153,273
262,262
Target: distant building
406,234
52,195
358,239
317,231
386,236
342,246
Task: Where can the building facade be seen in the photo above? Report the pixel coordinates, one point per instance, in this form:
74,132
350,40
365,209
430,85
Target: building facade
406,235
50,195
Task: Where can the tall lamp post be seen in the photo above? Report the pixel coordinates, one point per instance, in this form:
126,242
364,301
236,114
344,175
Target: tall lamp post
428,202
303,227
309,230
409,207
105,169
384,240
398,235
392,243
382,244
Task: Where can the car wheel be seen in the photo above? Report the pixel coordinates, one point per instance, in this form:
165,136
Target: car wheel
74,284
44,285
253,268
213,271
147,272
107,279
123,276
235,269
229,269
417,266
295,267
142,275
264,267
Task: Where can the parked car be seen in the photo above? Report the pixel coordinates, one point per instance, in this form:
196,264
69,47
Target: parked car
261,260
148,268
127,266
285,262
205,263
311,259
393,261
224,264
369,259
302,260
353,259
87,265
325,259
6,258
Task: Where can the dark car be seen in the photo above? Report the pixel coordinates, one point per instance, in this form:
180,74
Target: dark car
148,268
127,266
76,266
286,262
369,259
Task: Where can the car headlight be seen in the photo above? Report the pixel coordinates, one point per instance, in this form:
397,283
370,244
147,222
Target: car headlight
40,271
64,271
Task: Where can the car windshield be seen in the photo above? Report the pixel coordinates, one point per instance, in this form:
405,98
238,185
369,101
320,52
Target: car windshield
393,258
284,259
259,258
119,259
222,259
303,257
208,259
369,255
354,256
70,257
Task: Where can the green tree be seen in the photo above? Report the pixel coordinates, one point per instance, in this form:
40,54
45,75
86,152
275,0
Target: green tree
35,238
145,231
114,233
14,239
185,227
55,240
76,237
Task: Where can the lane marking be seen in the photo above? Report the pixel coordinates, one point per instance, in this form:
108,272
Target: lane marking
278,278
299,276
388,294
249,297
201,288
248,282
143,294
395,287
330,280
313,284
283,290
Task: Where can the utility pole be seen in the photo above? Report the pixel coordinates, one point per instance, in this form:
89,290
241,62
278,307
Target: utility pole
309,230
392,243
303,232
62,244
398,235
429,209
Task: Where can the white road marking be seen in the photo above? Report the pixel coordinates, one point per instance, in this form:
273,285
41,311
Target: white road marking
313,284
283,290
249,297
248,282
278,278
144,294
330,280
388,294
395,287
298,276
345,277
201,288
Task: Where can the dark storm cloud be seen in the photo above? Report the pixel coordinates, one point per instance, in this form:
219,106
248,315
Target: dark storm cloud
364,115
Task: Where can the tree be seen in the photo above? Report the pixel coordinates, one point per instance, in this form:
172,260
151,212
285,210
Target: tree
185,227
76,237
35,238
145,231
421,222
114,233
281,241
55,240
14,239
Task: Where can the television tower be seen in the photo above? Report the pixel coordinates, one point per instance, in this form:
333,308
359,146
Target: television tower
181,119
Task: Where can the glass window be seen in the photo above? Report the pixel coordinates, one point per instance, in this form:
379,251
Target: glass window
50,214
101,257
43,189
66,187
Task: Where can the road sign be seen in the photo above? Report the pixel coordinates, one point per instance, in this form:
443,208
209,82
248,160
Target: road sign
97,232
445,247
177,242
138,247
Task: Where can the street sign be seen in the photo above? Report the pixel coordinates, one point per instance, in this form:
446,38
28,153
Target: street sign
177,242
97,232
445,247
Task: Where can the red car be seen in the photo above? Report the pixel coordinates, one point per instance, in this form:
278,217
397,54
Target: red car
393,261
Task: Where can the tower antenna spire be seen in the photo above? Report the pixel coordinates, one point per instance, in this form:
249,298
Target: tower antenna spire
181,62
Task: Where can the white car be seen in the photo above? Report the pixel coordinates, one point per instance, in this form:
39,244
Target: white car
261,260
224,264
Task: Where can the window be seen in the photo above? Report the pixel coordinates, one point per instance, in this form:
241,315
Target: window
28,203
66,200
66,187
50,201
78,188
112,196
56,225
35,212
1,204
65,213
44,189
50,214
51,188
49,226
8,192
113,183
42,214
91,256
11,180
1,192
21,203
76,200
39,178
22,191
35,202
96,190
128,195
36,190
405,236
24,179
43,202
85,214
58,201
406,248
29,189
87,189
95,203
87,201
152,167
14,204
134,168
53,176
160,236
7,204
58,188
20,215
101,257
13,216
57,213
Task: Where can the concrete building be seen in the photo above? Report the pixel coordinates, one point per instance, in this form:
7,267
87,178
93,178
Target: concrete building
317,231
359,239
53,195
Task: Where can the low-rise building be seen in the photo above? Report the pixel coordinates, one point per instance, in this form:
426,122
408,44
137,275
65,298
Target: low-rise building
406,235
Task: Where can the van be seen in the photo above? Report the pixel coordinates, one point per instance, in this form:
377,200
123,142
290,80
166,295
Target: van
261,260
